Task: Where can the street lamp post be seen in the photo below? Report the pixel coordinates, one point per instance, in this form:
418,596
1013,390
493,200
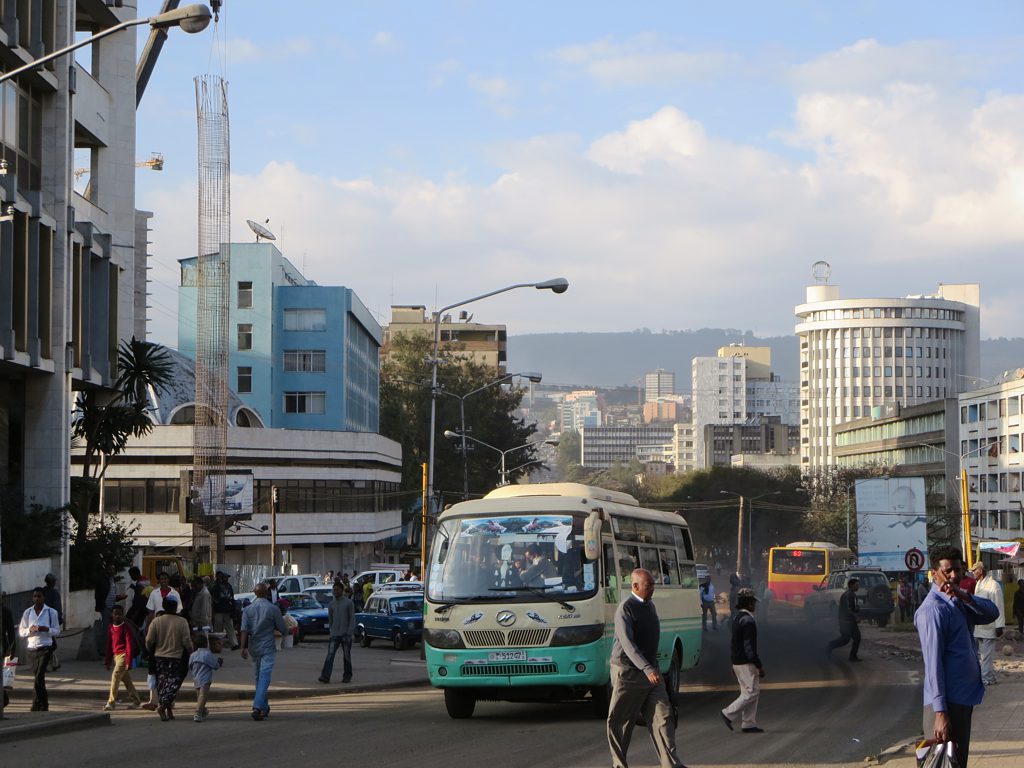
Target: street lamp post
533,377
192,18
555,285
965,504
739,527
502,472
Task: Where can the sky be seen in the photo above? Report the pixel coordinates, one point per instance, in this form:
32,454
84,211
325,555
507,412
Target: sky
682,164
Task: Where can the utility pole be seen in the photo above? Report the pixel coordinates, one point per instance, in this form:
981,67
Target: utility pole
273,526
739,541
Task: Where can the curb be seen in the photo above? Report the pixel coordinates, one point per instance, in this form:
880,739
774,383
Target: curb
898,749
47,727
233,693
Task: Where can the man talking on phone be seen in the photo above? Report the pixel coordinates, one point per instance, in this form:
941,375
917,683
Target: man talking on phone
952,676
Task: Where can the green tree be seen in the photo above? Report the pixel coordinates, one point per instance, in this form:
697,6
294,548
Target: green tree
108,540
104,420
405,417
777,517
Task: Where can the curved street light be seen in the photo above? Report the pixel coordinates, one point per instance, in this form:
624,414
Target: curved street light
192,18
555,285
502,472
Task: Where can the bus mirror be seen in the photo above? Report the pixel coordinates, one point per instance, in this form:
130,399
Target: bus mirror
592,535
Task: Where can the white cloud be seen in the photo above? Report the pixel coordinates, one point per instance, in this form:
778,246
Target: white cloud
240,50
384,41
496,90
900,184
642,60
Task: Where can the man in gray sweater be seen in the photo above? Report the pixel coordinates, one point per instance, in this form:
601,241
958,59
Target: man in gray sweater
637,686
341,615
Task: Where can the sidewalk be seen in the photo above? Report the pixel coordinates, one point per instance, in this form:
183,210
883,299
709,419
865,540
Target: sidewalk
77,685
998,723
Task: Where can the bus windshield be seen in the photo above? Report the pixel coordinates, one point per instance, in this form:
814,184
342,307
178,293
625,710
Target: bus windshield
518,557
802,562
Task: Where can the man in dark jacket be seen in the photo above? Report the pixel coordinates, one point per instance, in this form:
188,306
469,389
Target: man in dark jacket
223,598
746,665
637,687
848,629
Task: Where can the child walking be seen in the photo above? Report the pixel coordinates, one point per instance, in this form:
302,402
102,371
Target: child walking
202,664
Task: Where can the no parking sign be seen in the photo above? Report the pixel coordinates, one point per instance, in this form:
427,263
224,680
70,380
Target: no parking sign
914,559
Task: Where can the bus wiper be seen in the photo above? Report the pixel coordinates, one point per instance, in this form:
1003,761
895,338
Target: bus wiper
443,607
539,591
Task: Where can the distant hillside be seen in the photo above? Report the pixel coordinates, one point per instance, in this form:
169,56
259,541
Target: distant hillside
614,359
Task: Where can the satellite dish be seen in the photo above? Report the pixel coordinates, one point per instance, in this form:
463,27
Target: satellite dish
821,271
260,230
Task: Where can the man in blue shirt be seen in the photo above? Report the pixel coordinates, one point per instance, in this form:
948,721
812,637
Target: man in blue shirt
259,620
952,676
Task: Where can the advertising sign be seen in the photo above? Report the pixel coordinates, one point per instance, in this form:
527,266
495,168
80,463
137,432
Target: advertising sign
890,521
227,495
1008,548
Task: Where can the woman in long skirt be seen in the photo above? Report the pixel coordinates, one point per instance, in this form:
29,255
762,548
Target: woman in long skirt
169,643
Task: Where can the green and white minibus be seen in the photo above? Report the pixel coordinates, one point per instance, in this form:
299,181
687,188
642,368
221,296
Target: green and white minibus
522,587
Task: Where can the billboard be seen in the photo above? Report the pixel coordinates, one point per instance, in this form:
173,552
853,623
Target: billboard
208,501
890,521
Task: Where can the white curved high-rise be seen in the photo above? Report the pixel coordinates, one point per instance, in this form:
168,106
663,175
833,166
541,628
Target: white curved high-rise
857,355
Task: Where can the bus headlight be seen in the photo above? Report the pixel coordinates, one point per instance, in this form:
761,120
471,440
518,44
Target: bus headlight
443,638
581,635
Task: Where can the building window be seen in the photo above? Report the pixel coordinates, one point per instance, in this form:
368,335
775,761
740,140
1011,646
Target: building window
245,294
244,337
244,383
305,319
304,402
304,360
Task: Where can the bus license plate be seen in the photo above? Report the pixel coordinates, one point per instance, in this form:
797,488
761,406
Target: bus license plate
507,656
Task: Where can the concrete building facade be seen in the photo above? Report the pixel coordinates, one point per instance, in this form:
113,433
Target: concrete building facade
303,356
767,435
860,354
339,491
991,442
69,267
483,343
659,384
601,447
734,387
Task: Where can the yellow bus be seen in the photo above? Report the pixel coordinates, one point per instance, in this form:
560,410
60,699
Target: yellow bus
796,569
522,587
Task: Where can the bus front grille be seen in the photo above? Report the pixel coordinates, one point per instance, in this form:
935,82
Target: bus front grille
470,670
518,638
483,638
496,638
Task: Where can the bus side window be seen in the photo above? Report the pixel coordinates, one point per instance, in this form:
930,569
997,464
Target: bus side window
683,544
629,559
609,565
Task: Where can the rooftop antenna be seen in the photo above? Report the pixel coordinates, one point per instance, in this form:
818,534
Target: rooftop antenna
260,230
821,271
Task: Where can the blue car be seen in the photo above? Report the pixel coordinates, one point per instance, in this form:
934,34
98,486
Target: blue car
311,616
394,617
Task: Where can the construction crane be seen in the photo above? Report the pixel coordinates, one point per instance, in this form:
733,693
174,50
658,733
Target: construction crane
155,162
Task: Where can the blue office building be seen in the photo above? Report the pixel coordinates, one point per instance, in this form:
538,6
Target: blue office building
304,356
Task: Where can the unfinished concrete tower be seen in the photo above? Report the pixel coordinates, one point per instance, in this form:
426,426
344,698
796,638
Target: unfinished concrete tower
213,279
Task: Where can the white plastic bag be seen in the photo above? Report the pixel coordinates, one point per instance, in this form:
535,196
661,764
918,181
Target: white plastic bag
10,666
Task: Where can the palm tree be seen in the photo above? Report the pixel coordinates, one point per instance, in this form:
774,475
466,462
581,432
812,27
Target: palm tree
104,420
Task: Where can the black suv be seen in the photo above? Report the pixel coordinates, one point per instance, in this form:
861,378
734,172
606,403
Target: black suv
874,598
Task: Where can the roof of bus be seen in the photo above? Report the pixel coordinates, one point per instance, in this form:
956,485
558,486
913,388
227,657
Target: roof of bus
537,497
810,545
562,489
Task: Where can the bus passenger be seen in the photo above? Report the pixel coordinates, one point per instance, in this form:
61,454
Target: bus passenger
540,568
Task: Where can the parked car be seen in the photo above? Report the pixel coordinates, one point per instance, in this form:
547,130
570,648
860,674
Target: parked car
291,584
322,594
874,598
391,616
378,577
399,587
311,616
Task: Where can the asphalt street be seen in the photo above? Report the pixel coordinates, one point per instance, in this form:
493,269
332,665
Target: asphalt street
815,712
